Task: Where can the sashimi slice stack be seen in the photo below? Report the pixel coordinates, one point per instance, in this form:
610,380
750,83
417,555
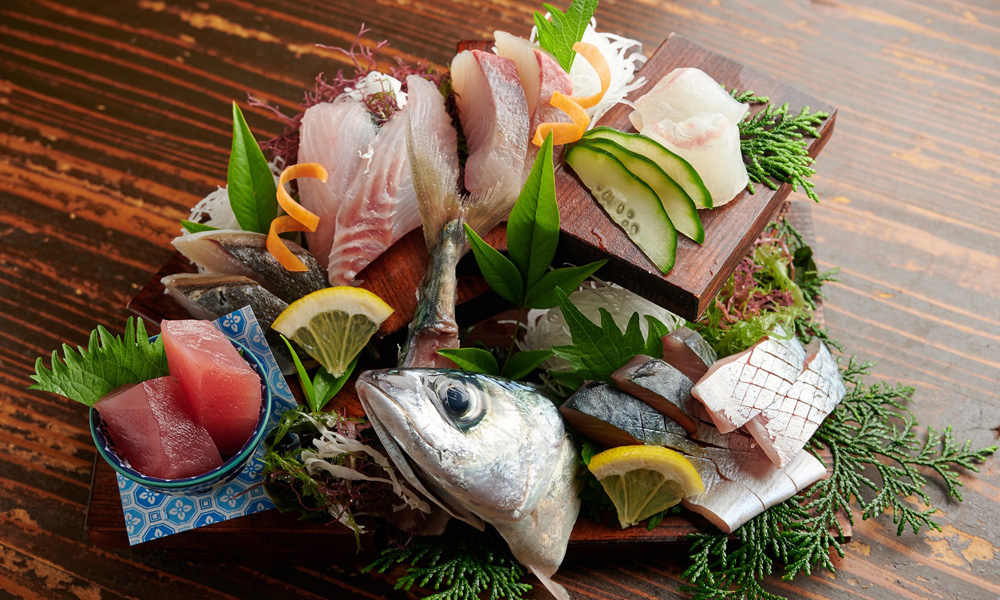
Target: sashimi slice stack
152,430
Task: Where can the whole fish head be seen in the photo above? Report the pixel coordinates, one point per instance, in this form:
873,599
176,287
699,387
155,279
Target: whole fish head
490,444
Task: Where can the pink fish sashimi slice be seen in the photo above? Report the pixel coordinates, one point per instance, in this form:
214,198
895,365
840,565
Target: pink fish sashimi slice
380,208
737,388
336,135
151,429
494,115
783,428
222,390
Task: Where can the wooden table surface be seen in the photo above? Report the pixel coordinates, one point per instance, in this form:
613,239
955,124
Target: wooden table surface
114,121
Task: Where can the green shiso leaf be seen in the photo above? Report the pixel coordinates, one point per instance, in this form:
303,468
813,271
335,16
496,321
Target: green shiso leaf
108,362
533,227
252,192
558,35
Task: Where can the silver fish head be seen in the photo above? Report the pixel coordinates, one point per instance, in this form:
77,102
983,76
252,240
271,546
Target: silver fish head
489,443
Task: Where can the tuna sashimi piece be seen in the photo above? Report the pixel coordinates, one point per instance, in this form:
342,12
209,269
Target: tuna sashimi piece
661,386
336,135
232,252
222,390
684,93
380,208
540,77
737,388
783,428
151,429
494,116
711,144
688,352
611,417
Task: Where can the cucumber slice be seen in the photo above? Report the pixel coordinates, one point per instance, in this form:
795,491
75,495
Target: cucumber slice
630,203
674,166
679,206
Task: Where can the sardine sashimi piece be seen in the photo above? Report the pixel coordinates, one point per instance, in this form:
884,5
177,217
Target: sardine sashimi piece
233,252
381,205
210,296
540,76
737,388
612,418
688,352
661,386
494,115
336,135
783,428
710,142
682,94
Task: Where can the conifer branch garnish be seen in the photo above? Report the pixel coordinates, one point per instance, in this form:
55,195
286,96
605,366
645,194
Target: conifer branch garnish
108,362
465,562
871,429
774,146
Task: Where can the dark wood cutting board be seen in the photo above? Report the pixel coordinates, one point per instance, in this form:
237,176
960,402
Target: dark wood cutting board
271,535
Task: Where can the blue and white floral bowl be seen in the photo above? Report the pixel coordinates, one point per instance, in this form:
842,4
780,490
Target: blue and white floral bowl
199,484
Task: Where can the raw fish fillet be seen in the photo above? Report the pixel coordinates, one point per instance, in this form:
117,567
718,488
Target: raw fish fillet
150,429
222,390
540,77
688,352
210,296
783,428
232,252
710,142
494,116
336,135
661,386
380,208
684,93
737,388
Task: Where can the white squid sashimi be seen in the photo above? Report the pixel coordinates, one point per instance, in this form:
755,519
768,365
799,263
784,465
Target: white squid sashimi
684,93
335,135
711,143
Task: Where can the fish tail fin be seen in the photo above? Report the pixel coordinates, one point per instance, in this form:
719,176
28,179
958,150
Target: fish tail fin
558,592
485,211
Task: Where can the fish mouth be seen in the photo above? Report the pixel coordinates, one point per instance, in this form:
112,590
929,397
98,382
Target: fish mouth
372,385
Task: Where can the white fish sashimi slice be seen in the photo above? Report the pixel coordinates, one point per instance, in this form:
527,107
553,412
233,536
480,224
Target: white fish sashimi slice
540,76
494,115
737,388
335,135
710,142
684,93
784,428
381,205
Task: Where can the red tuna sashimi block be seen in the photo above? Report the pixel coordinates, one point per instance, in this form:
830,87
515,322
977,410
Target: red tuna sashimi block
223,391
151,429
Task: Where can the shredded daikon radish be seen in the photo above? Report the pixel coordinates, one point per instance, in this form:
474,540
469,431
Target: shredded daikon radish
374,83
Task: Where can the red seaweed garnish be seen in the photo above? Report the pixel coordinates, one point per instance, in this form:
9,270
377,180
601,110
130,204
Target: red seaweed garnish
382,104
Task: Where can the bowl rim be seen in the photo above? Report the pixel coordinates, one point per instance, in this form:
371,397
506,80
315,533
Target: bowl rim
225,468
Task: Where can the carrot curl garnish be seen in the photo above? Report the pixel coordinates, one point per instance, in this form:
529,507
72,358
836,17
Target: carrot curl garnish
288,204
277,247
600,65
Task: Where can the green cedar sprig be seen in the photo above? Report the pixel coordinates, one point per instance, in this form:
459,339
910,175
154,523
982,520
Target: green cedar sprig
773,144
558,35
108,362
525,279
871,431
464,562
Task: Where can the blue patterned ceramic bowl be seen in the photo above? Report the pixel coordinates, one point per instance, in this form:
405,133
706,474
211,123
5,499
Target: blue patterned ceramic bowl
199,484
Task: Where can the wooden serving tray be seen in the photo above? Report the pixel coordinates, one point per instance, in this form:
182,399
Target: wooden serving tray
271,535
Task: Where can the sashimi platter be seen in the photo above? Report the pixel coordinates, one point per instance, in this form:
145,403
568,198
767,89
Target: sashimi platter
459,320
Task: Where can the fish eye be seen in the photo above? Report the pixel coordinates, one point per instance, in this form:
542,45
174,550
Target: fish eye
456,401
461,401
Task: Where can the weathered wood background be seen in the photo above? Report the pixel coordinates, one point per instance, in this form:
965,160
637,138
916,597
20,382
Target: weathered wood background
113,121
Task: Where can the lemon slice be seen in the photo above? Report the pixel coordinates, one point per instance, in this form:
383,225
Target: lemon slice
333,324
644,480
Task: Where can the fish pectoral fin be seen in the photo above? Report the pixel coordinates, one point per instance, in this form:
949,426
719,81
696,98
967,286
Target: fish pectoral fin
557,591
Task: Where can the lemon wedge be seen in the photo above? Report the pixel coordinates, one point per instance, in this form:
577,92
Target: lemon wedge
644,480
333,324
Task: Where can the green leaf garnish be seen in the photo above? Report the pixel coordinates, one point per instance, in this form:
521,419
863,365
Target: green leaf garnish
108,363
252,192
533,227
564,29
521,364
472,359
193,227
319,390
499,272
